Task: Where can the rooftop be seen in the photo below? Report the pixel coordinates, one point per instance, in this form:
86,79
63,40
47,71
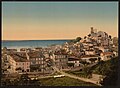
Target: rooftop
60,53
35,54
73,58
86,56
107,53
18,58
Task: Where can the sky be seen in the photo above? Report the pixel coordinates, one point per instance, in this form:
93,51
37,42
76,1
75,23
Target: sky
57,20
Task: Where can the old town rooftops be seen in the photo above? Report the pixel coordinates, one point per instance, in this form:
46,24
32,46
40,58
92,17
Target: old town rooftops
22,54
106,53
87,56
60,53
18,58
35,55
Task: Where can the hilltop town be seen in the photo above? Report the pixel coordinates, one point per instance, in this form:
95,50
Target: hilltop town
71,56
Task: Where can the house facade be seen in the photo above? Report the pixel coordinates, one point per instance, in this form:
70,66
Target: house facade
18,63
37,59
61,60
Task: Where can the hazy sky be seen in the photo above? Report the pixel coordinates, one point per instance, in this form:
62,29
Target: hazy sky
57,20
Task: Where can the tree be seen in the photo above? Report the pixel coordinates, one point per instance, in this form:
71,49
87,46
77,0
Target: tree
24,79
89,35
99,36
93,60
99,59
111,75
78,39
87,72
85,37
6,82
110,36
99,52
84,62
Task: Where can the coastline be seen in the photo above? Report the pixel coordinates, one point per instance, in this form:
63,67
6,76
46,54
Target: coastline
17,44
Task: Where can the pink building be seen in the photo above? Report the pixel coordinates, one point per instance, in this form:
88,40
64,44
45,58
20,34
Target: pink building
18,63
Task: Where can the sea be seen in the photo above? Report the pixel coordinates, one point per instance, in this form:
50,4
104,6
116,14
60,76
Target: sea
17,44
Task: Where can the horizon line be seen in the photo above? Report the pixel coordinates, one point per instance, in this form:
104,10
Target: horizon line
35,39
41,39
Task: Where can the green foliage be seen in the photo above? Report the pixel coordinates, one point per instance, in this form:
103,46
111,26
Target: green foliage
22,80
112,74
93,60
85,73
76,40
64,81
109,69
103,67
85,37
89,35
110,36
84,62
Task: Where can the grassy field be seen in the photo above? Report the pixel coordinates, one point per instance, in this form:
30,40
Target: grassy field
78,73
64,81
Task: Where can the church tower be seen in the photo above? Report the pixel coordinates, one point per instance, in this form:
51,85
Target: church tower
92,30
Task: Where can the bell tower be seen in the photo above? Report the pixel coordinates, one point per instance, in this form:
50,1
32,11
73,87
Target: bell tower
92,30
